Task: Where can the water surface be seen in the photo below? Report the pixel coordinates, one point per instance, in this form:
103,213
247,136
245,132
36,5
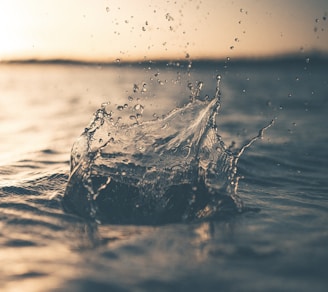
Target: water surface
279,246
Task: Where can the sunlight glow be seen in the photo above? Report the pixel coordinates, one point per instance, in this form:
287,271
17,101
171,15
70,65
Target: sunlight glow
106,30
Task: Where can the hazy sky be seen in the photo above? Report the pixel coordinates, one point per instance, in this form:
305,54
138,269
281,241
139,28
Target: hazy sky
126,29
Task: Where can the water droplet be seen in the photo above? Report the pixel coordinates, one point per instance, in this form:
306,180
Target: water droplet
169,17
138,107
120,107
107,9
118,60
307,60
232,47
144,88
135,88
130,98
200,85
297,78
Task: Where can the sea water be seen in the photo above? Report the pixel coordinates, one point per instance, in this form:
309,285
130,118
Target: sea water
169,139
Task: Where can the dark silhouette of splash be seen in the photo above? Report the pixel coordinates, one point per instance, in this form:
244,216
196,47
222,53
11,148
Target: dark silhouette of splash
172,169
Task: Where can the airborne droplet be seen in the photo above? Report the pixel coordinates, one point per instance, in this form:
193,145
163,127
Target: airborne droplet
135,88
139,108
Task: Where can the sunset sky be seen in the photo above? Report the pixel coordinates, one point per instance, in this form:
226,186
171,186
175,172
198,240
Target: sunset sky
105,30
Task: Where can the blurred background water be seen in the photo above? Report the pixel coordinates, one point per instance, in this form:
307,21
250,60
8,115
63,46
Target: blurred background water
281,247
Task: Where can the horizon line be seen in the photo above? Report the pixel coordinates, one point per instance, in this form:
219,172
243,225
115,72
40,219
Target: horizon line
80,61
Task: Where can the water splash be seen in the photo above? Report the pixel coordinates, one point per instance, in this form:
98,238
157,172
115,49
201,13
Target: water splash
172,169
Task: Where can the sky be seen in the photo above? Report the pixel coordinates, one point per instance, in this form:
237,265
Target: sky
109,30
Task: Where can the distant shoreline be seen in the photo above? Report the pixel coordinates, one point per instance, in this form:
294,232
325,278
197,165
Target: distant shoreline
290,59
